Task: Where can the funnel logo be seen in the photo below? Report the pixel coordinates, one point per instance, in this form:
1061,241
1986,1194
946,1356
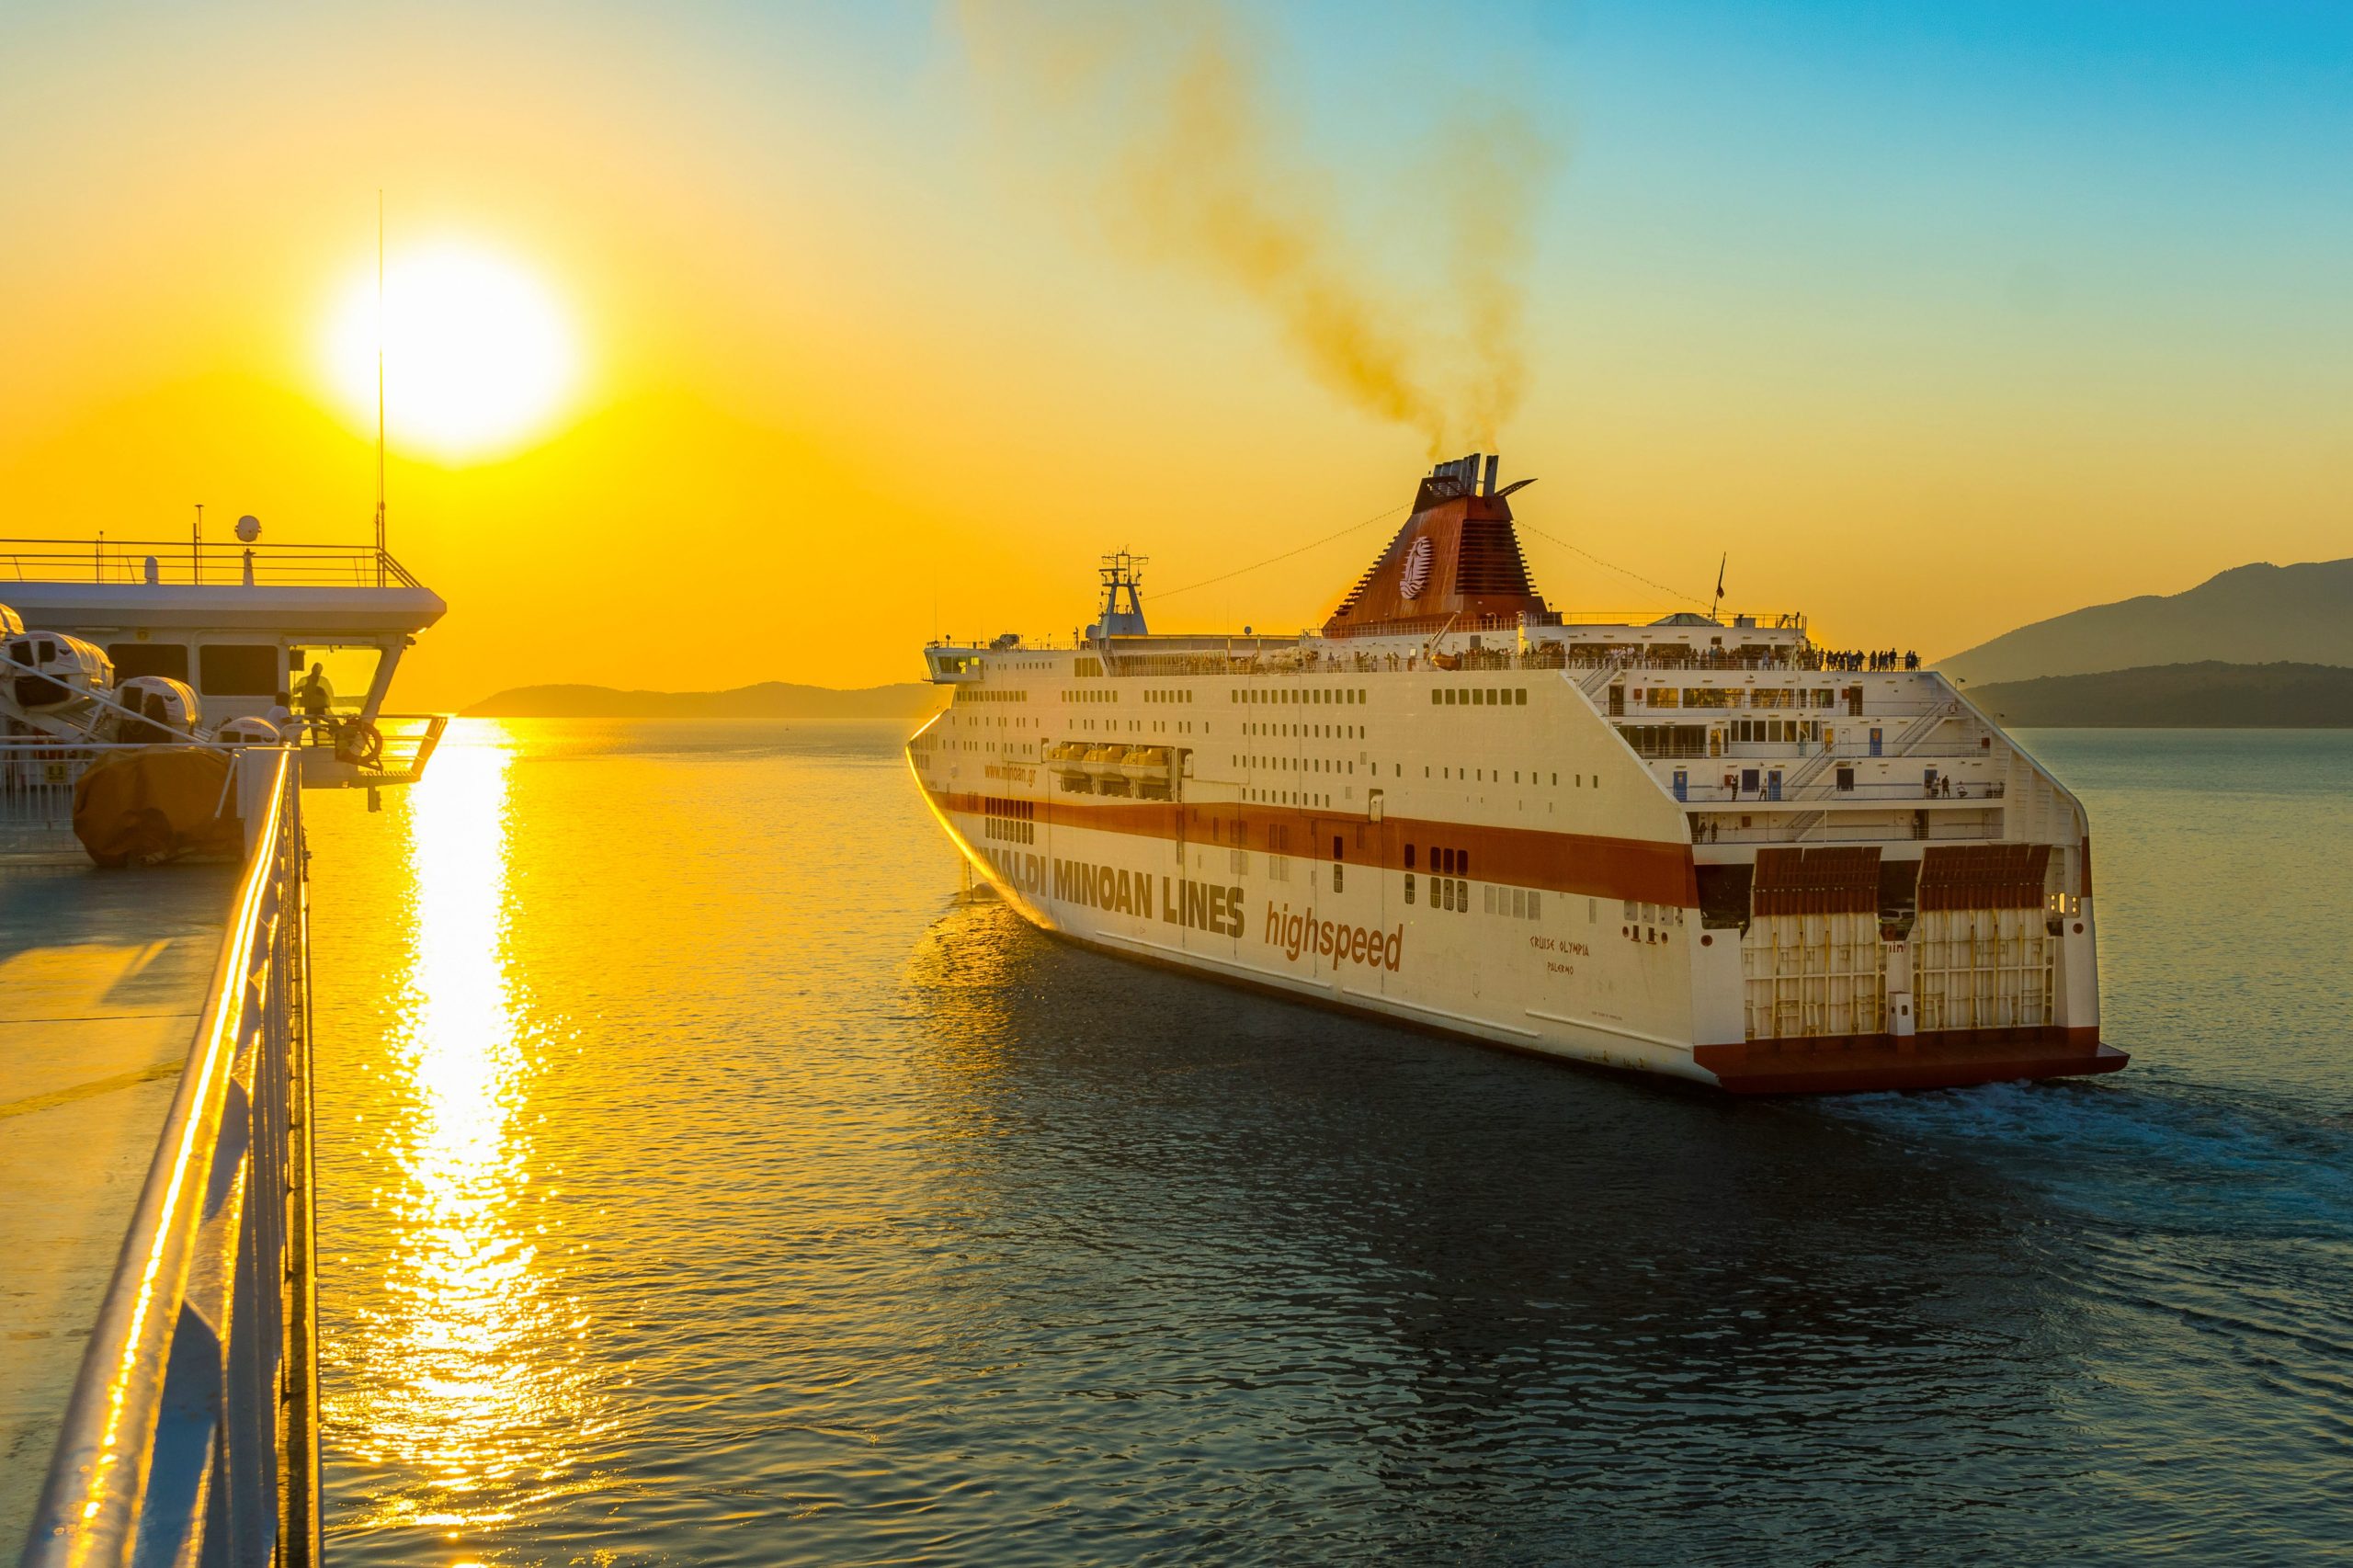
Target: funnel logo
1418,568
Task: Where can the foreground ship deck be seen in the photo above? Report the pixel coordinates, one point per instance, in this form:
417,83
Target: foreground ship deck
103,976
157,1389
1693,845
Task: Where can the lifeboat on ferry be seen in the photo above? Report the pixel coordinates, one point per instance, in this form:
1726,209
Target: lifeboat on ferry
252,730
1146,769
56,675
1106,766
159,710
1068,760
147,805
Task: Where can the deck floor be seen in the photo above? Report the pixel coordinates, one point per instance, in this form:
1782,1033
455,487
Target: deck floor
102,977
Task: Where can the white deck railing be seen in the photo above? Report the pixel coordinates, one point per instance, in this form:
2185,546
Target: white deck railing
38,777
192,1435
180,564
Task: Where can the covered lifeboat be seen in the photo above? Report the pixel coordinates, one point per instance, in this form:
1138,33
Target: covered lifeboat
155,711
1107,765
1068,763
1147,769
54,673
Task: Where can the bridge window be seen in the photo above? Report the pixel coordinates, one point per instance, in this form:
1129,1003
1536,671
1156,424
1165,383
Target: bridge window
152,659
230,669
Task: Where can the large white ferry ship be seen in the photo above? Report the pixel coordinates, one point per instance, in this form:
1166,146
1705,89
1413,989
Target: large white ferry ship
1698,844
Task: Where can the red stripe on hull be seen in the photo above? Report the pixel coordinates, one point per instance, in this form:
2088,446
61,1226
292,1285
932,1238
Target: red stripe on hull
1951,1062
1646,871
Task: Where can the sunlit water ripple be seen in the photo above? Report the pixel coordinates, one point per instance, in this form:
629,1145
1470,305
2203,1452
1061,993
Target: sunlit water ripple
704,1183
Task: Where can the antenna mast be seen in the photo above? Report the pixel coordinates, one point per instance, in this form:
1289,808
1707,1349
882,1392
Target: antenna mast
379,386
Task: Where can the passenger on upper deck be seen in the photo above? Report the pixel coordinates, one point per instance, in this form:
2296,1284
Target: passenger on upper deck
316,696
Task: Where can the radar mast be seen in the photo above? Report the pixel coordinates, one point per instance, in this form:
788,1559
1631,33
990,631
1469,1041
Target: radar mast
1121,573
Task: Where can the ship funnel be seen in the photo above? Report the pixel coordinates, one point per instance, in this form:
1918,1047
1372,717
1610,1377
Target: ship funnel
1455,563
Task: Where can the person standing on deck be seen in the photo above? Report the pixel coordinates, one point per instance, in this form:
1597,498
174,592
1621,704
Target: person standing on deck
315,696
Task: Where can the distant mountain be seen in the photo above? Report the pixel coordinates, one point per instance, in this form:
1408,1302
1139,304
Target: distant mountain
2249,615
2169,697
769,699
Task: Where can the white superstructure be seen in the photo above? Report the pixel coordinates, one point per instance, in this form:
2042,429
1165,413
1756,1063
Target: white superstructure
241,628
1696,845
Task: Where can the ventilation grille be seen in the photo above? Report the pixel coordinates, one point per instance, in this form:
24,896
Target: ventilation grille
1488,561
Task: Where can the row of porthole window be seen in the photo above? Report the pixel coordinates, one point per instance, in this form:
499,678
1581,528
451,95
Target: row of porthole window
1307,694
1295,764
1479,696
1464,775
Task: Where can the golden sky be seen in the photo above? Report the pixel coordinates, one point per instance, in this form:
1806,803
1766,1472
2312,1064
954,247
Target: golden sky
888,319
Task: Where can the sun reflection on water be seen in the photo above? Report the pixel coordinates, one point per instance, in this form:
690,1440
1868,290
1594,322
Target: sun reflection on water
475,1387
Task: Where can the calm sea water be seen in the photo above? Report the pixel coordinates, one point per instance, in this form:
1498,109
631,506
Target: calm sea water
703,1182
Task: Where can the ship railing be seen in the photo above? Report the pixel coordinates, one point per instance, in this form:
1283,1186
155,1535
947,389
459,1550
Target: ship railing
37,779
1593,668
1613,663
1837,718
180,564
1844,750
1650,619
1812,827
1719,794
192,1432
1653,619
405,743
38,776
410,740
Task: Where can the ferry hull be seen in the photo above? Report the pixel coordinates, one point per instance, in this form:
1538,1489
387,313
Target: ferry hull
1261,927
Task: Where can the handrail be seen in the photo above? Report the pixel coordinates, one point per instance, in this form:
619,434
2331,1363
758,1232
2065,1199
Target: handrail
1980,791
1920,728
224,565
194,1412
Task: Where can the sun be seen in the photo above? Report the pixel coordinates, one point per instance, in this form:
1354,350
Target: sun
479,354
